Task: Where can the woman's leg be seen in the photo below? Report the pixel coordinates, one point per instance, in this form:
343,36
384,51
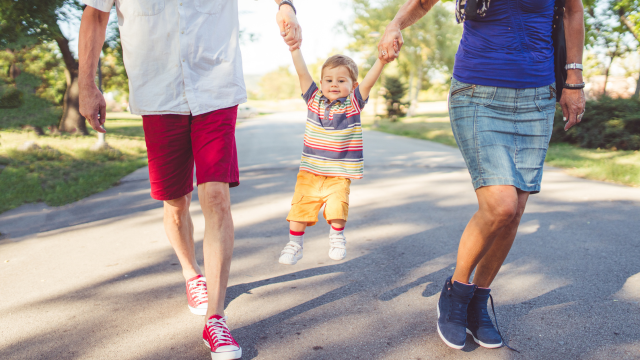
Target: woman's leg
490,264
496,219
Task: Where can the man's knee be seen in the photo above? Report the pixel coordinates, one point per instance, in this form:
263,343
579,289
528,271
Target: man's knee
178,205
502,213
214,197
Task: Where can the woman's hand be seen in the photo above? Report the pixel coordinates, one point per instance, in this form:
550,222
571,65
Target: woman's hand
573,105
390,44
289,27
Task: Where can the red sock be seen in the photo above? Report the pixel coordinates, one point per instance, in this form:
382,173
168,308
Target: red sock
336,229
296,233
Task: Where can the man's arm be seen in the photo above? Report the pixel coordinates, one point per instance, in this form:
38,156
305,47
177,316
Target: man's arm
371,78
409,14
92,33
292,35
301,68
572,100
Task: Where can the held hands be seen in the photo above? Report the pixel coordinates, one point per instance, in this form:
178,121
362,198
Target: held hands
390,44
93,107
289,27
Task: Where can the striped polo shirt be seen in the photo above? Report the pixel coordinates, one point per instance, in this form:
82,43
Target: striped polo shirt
333,137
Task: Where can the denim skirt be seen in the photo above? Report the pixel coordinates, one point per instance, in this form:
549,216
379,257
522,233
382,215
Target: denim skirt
503,133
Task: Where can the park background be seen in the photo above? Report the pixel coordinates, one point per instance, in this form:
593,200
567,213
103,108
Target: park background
47,152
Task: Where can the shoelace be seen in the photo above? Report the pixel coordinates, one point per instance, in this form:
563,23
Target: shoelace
198,290
498,327
338,241
291,248
457,314
219,333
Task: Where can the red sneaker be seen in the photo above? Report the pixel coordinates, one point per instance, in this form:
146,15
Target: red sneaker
197,295
217,337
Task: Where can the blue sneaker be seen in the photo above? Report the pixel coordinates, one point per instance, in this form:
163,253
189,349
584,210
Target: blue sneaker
452,312
479,324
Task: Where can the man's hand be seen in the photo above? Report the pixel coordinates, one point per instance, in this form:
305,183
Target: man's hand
573,105
390,44
292,33
93,107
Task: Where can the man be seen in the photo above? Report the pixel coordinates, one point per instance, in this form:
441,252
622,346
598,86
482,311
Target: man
185,79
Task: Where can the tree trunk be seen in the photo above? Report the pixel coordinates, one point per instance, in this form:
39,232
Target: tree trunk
411,107
606,76
636,95
71,121
416,92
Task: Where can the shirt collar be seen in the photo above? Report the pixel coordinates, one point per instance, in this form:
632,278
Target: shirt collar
341,99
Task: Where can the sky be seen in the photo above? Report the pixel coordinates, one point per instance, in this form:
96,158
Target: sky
320,31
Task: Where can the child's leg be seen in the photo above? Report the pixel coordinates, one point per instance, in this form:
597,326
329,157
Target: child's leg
338,224
337,240
296,226
292,252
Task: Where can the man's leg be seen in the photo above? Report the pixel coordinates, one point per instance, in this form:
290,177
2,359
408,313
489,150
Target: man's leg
498,207
215,201
179,229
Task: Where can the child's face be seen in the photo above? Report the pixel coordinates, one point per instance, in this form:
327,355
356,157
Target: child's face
337,83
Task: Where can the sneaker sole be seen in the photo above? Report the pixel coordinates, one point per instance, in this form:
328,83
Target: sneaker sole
336,259
227,355
295,261
484,345
196,311
457,347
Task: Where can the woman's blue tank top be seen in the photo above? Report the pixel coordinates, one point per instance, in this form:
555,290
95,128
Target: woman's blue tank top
510,47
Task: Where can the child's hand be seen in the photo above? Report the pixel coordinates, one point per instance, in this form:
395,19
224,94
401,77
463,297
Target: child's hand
287,30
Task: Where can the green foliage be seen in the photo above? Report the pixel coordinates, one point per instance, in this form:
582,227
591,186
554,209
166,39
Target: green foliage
279,84
429,47
11,99
394,91
607,124
35,111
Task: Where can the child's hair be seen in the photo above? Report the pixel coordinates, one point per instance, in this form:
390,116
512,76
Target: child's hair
341,60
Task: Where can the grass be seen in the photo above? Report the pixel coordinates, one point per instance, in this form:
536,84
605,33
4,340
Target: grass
63,169
622,167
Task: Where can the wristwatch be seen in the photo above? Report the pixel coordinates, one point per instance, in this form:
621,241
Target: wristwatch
288,2
573,66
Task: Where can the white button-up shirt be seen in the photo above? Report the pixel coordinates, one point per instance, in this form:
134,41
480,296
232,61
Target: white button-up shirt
181,56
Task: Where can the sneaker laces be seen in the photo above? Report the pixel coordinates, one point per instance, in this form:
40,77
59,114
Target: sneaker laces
219,333
338,241
458,312
291,248
198,290
498,327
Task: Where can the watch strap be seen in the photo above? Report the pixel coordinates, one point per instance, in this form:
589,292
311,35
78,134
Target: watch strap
574,66
290,3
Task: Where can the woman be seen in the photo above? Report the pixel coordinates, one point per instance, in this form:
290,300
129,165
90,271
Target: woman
502,105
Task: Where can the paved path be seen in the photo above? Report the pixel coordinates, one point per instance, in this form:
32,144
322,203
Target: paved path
98,280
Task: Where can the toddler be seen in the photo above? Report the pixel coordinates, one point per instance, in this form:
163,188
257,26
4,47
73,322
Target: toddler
332,153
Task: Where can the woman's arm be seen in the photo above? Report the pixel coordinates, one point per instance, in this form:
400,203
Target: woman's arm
573,101
409,14
301,68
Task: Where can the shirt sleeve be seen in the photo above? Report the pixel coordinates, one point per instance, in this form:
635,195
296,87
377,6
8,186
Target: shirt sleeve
358,96
311,92
102,5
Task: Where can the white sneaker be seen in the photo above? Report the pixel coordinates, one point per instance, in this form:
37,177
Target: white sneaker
338,249
291,253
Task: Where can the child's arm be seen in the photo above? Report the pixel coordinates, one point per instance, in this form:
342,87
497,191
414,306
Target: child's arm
370,79
301,68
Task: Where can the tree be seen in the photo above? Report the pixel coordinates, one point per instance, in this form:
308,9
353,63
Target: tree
613,27
394,91
429,48
35,22
279,84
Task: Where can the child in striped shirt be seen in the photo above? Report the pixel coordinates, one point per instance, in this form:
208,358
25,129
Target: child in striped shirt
332,153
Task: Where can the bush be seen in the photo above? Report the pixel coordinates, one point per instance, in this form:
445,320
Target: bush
607,124
11,99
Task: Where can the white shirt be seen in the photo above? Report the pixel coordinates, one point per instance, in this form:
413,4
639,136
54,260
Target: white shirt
181,56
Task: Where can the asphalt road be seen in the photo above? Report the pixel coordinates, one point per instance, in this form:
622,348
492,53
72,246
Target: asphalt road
97,279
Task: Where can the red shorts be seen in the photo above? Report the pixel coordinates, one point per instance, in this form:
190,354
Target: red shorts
175,142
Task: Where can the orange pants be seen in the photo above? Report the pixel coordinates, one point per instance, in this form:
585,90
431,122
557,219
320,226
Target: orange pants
312,191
